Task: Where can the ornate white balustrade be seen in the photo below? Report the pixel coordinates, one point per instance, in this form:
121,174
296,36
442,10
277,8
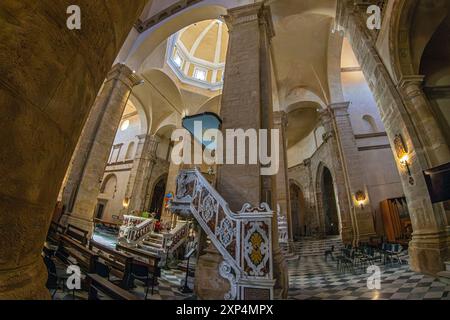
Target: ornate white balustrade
135,229
176,237
283,233
244,239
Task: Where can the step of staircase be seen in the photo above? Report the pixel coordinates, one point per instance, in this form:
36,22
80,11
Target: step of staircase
151,249
447,266
444,276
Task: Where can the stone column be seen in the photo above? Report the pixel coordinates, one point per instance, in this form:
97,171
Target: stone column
95,144
428,249
171,187
141,171
50,76
348,227
352,167
246,104
282,180
418,106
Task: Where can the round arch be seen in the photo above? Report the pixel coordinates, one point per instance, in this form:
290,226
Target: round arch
143,112
298,210
157,195
149,40
412,19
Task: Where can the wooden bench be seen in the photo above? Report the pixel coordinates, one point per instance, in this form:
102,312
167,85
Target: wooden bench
84,257
119,263
97,283
77,234
142,257
54,232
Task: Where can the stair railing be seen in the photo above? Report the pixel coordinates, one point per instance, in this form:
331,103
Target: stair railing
135,229
244,239
176,237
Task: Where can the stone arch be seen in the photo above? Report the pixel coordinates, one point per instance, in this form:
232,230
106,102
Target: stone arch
143,112
130,151
109,185
151,38
301,94
298,210
409,37
158,188
326,208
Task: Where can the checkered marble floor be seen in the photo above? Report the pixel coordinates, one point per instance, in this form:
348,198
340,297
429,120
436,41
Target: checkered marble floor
312,278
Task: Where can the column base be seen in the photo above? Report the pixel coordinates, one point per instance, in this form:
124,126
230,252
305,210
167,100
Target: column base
209,285
347,235
428,252
281,275
25,283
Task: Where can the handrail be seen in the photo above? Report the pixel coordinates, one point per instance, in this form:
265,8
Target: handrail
244,239
176,237
135,229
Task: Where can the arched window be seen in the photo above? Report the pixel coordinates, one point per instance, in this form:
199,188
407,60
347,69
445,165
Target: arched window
369,124
130,151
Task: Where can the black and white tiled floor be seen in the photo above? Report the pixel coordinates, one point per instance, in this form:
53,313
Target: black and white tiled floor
312,278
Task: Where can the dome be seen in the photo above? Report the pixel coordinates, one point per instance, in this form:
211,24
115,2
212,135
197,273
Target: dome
197,53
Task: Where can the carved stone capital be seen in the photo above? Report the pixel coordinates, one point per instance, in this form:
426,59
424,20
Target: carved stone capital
411,86
124,74
280,118
248,13
340,108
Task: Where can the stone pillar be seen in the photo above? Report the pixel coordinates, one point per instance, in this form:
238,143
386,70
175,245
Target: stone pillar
352,167
348,227
282,180
429,246
171,186
95,144
418,106
246,104
141,171
49,82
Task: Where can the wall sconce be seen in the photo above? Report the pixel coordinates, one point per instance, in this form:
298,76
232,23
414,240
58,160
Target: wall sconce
126,203
402,153
360,197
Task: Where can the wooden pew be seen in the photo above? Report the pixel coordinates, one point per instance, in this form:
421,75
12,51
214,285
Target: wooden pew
69,247
77,234
118,262
145,258
97,283
54,232
112,225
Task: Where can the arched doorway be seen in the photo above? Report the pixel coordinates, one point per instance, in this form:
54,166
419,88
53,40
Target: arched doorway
158,197
329,204
299,228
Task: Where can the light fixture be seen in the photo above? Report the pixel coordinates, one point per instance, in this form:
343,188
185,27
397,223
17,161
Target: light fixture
402,152
126,202
360,197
